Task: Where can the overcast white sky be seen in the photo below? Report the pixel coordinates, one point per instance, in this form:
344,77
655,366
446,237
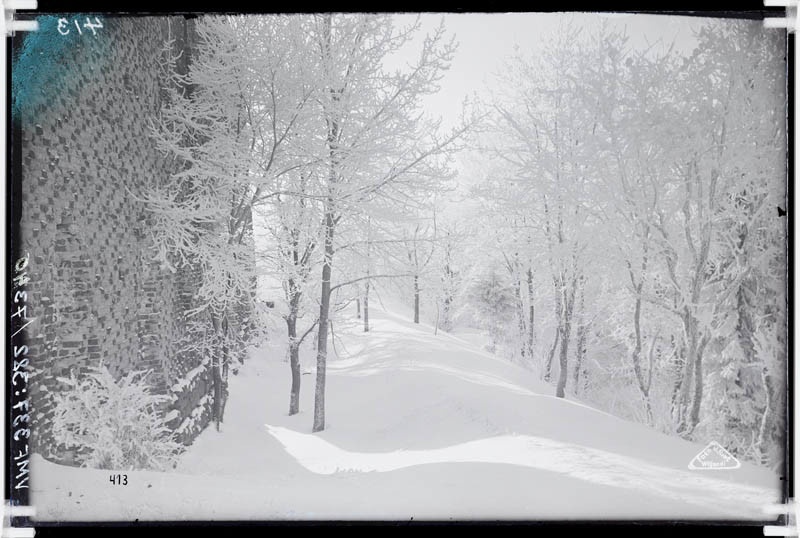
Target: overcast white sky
486,40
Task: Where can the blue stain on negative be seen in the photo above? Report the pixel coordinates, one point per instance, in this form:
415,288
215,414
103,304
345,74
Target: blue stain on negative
39,67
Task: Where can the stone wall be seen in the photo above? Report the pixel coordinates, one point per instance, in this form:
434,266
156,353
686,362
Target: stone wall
97,296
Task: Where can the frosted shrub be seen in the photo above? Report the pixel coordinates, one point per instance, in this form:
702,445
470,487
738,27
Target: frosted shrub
113,424
492,301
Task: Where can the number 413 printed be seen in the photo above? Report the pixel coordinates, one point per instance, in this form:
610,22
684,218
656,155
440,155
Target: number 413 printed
64,26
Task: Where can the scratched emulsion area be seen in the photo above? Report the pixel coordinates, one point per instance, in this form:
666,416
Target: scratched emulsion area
37,73
83,104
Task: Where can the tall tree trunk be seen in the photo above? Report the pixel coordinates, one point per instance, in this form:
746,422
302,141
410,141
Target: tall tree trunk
745,324
447,289
566,327
530,313
216,370
416,298
445,322
226,360
771,431
637,338
651,365
579,356
366,282
744,333
294,361
322,330
698,384
697,340
689,369
366,305
679,363
562,359
580,351
568,301
762,429
548,368
358,308
557,302
636,355
330,225
520,307
217,380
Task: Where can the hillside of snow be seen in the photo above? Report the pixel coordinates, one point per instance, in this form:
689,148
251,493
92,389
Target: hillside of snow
419,426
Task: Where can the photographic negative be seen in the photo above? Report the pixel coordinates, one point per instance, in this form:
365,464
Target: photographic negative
526,266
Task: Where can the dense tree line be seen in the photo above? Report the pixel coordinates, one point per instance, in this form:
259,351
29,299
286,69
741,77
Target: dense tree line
642,188
294,121
621,239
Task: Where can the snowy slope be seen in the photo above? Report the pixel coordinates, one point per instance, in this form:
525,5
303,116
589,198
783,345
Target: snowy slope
418,426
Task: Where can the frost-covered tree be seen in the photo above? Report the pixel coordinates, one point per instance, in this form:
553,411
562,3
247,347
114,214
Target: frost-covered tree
377,142
549,149
290,258
730,240
507,203
451,267
491,296
227,124
420,243
620,85
650,178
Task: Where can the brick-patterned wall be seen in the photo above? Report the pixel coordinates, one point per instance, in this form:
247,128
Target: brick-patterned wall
95,291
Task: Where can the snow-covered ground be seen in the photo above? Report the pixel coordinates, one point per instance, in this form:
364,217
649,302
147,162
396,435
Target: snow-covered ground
418,426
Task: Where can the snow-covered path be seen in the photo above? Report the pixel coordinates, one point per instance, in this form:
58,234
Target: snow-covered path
581,462
418,426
